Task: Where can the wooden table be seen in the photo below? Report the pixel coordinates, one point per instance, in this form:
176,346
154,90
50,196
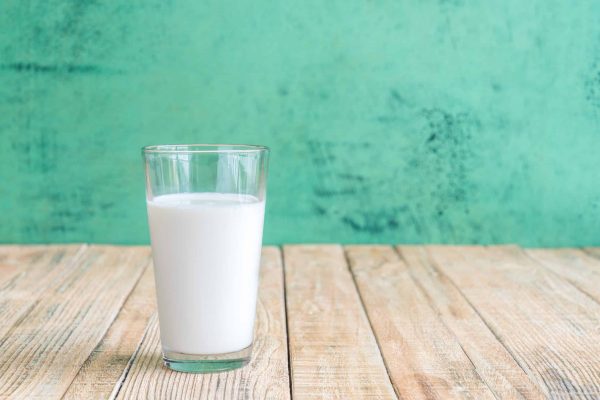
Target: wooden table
355,322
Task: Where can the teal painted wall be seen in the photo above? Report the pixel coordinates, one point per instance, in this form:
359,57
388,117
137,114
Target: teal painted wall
389,121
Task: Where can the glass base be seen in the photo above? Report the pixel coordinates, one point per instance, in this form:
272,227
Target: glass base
204,364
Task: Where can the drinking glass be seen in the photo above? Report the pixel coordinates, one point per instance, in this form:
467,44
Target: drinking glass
206,207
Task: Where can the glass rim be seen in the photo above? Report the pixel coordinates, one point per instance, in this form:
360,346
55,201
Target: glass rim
203,148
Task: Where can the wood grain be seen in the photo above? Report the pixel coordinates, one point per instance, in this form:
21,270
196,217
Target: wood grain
41,354
333,351
593,251
579,268
492,361
28,271
102,372
547,324
19,260
424,358
79,322
266,376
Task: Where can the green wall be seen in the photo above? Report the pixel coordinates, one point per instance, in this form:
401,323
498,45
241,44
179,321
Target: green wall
389,121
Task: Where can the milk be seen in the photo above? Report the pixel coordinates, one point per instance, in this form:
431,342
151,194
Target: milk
206,249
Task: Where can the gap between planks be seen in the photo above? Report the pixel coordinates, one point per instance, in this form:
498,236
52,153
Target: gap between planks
110,360
580,267
82,293
333,351
548,324
444,287
434,344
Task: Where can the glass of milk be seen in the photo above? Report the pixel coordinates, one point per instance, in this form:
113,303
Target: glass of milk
206,208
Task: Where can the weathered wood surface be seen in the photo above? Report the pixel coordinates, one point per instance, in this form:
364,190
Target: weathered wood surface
333,351
437,347
576,266
107,363
366,321
548,325
44,349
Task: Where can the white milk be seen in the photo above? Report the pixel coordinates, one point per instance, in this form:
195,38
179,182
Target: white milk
206,249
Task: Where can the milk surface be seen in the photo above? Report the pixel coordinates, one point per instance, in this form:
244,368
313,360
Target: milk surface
206,250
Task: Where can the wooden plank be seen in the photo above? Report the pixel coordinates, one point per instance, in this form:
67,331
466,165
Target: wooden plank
424,358
266,376
492,361
333,351
593,251
27,272
548,325
27,259
106,365
41,354
19,259
574,265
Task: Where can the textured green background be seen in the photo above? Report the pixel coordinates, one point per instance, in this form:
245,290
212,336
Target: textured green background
389,121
